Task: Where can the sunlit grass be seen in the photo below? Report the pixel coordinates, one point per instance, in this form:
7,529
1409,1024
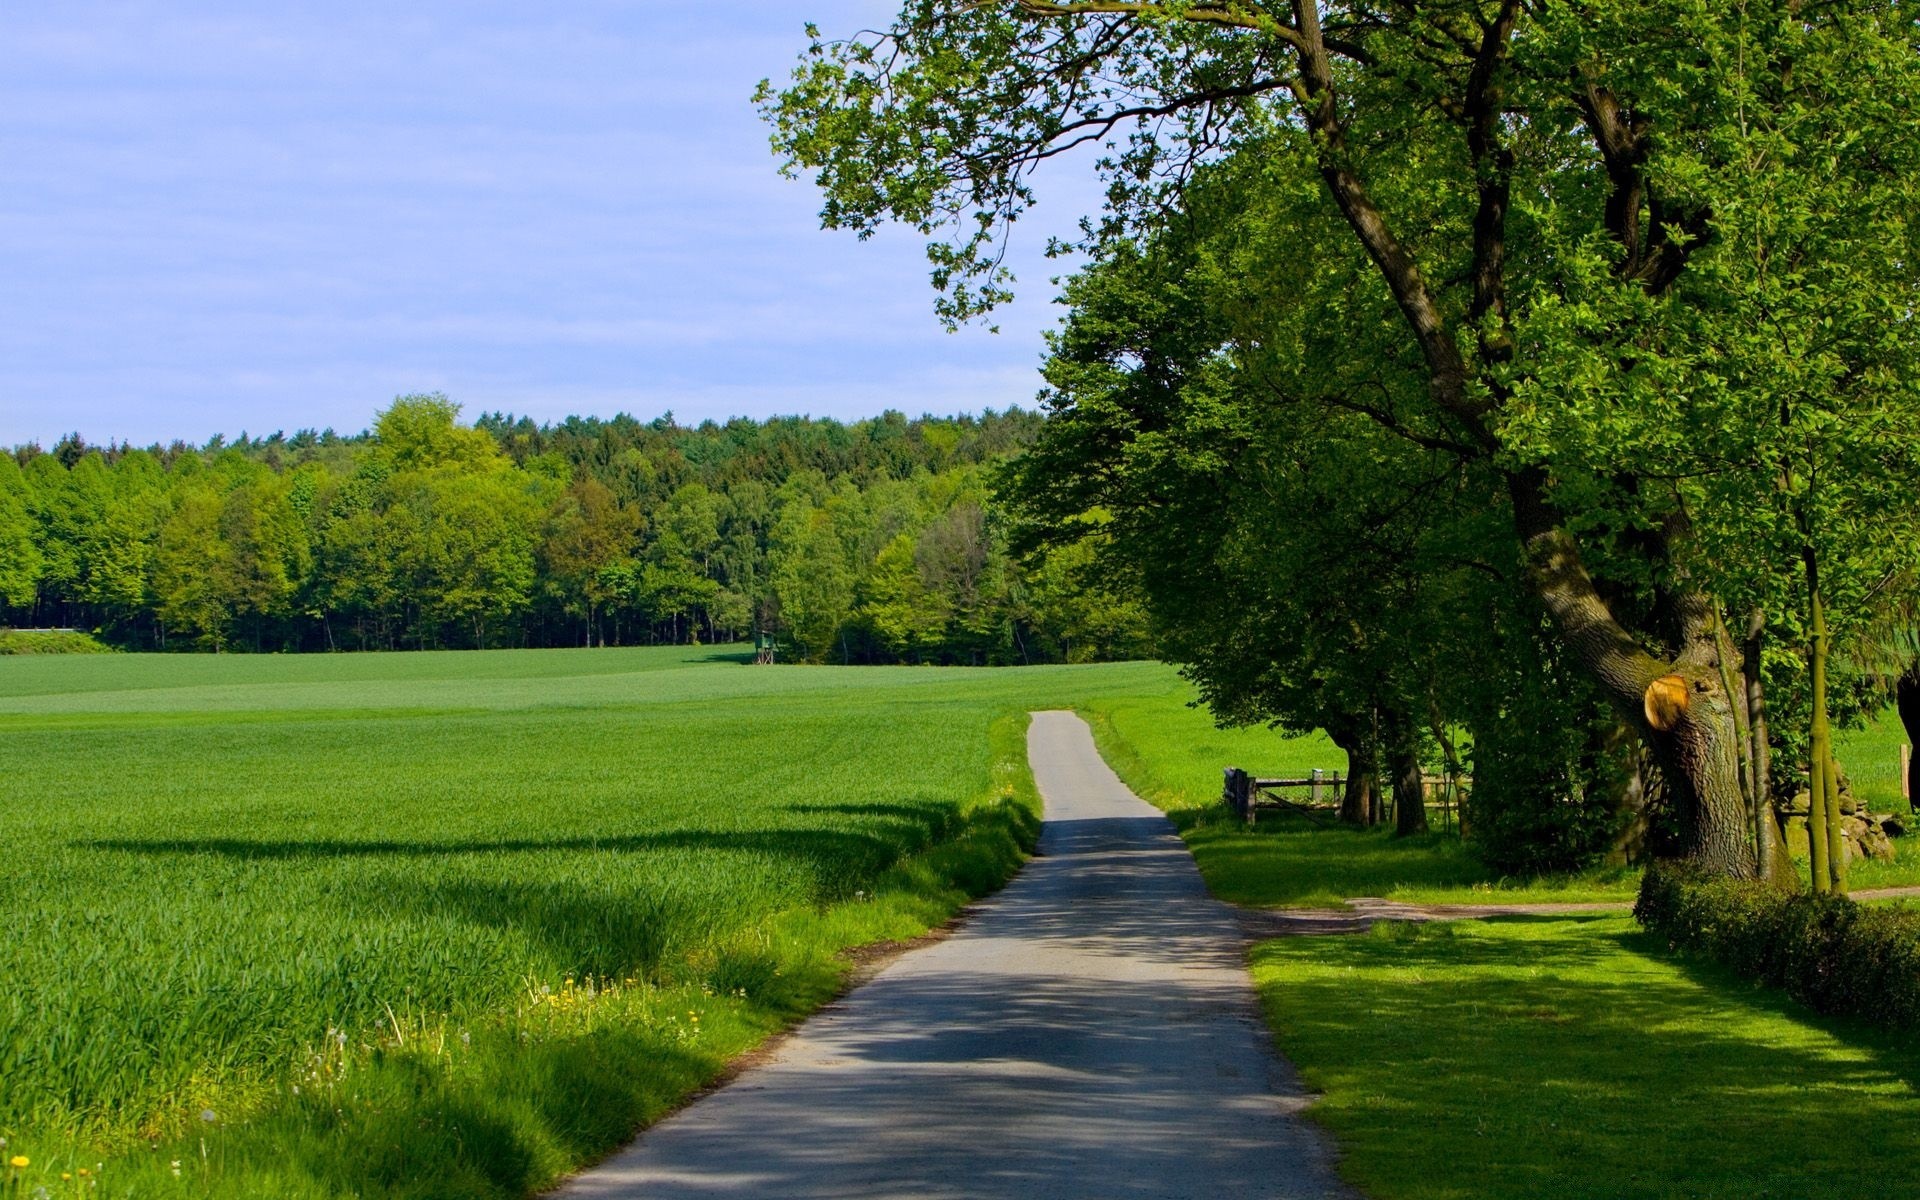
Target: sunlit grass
1525,1058
222,871
1171,755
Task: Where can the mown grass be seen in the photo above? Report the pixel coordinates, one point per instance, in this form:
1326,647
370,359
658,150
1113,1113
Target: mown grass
1529,1057
1170,753
306,926
1172,756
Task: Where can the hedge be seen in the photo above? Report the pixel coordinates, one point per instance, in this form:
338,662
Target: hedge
50,641
1828,952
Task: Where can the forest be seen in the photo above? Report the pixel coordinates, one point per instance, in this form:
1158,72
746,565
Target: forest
875,541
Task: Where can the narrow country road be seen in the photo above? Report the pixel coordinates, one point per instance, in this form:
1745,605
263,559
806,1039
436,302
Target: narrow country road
1089,1032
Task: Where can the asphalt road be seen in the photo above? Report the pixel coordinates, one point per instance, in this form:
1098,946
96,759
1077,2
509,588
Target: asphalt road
1090,1032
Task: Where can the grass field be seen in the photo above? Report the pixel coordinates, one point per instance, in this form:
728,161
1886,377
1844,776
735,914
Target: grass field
452,924
1172,755
1524,1057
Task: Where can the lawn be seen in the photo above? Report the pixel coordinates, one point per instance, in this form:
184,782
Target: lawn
1522,1058
453,924
1171,754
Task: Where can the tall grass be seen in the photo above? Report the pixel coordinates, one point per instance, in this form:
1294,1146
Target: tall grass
454,924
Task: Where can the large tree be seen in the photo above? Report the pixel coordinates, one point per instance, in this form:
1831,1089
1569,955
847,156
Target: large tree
1542,197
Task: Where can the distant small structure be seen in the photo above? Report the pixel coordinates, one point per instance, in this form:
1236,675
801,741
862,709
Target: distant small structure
763,649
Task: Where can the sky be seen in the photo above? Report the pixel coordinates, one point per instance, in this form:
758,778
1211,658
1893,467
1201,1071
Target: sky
219,218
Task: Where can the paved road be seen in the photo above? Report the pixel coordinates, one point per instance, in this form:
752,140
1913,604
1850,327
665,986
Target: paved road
1089,1032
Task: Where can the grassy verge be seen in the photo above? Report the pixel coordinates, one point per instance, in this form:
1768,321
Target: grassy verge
1172,756
1523,1058
453,925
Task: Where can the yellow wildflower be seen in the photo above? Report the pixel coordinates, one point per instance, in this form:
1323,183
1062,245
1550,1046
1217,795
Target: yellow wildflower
17,1161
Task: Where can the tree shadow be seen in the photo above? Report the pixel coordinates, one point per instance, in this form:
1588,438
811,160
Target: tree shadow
834,845
1562,1069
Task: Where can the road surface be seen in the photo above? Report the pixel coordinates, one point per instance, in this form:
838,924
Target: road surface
1089,1032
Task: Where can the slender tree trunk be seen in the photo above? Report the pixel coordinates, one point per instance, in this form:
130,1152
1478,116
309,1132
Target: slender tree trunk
1772,843
1820,848
1750,667
1680,709
1823,781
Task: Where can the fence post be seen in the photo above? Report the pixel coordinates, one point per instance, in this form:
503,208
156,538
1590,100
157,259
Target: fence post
1239,794
1315,793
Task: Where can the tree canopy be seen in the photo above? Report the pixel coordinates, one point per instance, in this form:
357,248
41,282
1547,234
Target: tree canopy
1642,270
870,542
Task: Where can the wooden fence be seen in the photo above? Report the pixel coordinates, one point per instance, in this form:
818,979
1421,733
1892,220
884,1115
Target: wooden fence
1248,795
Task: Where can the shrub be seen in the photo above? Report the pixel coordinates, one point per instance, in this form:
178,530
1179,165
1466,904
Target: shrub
1543,800
1828,952
50,641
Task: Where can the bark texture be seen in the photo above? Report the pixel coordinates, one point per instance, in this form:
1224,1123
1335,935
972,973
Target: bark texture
1356,802
1680,708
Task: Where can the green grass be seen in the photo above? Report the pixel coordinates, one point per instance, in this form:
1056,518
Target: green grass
1871,757
305,925
1172,756
1524,1058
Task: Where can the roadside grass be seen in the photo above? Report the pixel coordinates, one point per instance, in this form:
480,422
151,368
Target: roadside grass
1172,756
456,924
1528,1057
1170,753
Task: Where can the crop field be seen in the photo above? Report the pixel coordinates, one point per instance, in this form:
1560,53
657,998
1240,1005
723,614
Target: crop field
456,923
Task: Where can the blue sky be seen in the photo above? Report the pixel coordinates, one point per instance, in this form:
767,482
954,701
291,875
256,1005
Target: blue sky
228,217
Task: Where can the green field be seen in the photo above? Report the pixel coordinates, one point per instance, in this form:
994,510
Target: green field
306,926
1172,755
1531,1057
454,924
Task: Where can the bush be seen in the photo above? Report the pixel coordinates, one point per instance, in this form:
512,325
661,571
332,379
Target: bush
1827,951
1543,800
50,641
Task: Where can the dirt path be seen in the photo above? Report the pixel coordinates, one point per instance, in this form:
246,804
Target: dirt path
1089,1032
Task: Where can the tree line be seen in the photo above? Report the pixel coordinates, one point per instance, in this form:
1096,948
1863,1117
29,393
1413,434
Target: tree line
876,541
1529,384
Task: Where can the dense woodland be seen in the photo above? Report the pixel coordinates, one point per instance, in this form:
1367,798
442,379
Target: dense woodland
875,541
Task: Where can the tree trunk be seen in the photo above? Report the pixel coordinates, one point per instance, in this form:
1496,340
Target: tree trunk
1680,708
1823,787
1906,696
1772,842
1356,802
1403,761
